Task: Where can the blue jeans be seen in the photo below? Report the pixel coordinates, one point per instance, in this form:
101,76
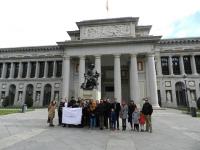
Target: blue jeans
92,122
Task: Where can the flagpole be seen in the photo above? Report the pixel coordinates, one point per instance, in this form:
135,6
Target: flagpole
107,8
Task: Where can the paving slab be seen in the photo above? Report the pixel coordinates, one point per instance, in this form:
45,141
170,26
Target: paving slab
29,131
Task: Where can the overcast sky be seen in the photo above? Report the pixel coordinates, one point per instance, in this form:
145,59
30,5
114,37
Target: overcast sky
45,22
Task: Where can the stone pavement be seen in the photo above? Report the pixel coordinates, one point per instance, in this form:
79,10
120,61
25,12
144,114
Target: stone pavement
29,131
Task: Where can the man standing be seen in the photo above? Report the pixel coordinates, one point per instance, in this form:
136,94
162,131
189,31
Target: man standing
116,106
101,112
60,111
147,110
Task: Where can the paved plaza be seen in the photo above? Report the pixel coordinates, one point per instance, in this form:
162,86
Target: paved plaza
29,131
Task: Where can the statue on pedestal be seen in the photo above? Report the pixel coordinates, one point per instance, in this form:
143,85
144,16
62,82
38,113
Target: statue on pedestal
90,78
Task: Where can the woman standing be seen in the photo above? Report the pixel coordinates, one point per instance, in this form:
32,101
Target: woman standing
51,112
124,115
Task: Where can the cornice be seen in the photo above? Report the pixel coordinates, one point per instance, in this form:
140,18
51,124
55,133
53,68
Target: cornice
110,41
33,48
189,40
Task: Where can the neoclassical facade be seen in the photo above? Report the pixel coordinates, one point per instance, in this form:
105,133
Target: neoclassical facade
132,65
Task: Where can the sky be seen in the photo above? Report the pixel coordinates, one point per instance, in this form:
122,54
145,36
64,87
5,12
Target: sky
45,22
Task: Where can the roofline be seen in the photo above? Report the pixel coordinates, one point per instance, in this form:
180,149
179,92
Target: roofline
180,40
108,21
110,41
35,48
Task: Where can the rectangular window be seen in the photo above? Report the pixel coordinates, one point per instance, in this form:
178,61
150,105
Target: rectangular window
1,69
59,68
165,65
109,88
197,62
33,69
187,64
50,69
16,70
41,69
176,65
8,69
24,69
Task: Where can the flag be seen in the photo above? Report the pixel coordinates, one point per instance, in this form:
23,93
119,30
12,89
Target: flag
107,8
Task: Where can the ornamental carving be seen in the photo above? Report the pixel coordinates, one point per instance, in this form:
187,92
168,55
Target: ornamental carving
106,31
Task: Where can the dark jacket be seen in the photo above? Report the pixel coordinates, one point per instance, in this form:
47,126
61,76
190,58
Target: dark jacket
147,109
131,109
116,106
101,109
61,105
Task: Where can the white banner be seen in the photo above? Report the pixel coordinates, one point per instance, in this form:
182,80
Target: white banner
72,115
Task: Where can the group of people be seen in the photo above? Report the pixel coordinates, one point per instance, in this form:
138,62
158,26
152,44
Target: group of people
106,114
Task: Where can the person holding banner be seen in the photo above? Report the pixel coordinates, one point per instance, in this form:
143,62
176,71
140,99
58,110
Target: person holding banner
60,107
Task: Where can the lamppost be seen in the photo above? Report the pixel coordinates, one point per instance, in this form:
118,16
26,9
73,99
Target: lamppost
186,94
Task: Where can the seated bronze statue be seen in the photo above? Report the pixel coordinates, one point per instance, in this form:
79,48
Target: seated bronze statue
90,78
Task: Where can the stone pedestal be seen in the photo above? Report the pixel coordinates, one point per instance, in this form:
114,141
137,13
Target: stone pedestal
89,94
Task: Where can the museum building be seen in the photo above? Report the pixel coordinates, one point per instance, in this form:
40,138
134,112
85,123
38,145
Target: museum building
132,65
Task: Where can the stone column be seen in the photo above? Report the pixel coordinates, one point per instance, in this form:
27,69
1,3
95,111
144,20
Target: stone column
81,73
152,81
11,70
170,66
193,65
66,77
134,82
158,66
20,70
117,78
28,70
98,69
45,69
54,69
3,71
37,70
182,69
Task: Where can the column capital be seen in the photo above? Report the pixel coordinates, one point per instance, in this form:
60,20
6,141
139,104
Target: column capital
133,54
117,55
97,56
82,56
66,57
150,55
